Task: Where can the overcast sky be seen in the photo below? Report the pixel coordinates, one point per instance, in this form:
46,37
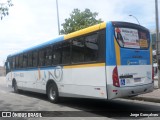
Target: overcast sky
31,22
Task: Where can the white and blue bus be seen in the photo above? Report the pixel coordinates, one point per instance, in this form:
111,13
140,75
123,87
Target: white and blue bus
105,61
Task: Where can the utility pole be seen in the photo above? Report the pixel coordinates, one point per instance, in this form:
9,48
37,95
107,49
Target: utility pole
157,40
58,17
135,18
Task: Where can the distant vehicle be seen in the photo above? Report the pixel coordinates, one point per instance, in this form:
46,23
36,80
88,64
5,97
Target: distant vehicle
105,61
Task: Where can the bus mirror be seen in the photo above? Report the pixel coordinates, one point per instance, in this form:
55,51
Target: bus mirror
7,65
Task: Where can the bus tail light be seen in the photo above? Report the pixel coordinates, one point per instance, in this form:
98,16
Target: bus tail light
115,77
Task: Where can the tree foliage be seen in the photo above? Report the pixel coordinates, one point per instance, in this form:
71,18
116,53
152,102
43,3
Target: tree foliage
79,20
4,8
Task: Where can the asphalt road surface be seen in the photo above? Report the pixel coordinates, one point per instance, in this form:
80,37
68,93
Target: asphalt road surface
69,108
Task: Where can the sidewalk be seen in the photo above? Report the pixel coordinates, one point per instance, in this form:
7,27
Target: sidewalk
2,80
151,97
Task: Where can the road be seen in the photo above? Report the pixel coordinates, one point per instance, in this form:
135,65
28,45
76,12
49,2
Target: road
96,109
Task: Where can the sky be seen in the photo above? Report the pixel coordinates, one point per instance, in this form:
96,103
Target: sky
31,22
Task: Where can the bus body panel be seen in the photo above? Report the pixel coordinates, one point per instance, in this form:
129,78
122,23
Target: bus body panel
129,87
84,78
69,85
135,57
121,92
135,75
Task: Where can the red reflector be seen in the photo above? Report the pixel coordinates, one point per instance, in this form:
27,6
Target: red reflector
115,90
115,77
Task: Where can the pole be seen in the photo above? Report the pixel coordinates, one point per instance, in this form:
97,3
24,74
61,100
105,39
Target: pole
58,17
157,40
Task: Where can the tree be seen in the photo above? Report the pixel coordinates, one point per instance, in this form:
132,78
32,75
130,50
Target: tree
4,8
79,20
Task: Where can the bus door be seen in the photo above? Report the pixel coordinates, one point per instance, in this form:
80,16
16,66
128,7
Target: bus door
133,56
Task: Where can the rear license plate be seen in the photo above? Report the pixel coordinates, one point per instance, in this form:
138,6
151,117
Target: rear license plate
137,79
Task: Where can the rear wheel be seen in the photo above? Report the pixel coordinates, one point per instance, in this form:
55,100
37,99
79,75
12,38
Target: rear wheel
52,93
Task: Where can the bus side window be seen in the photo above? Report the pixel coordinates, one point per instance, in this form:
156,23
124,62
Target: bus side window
101,44
7,66
41,57
91,47
66,56
48,60
25,60
78,50
57,54
17,62
10,63
13,62
30,59
35,56
21,61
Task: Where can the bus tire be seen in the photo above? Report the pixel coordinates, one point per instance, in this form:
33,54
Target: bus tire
52,93
15,87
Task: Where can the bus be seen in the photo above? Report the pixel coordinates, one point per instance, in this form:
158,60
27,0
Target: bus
105,61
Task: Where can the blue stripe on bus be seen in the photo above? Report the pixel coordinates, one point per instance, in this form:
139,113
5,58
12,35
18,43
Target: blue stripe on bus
61,38
110,49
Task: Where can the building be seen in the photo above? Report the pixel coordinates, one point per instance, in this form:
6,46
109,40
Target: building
2,71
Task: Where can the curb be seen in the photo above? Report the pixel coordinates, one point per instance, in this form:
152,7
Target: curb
148,99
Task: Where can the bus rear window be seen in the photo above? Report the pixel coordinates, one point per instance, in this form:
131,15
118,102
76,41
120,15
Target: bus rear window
132,38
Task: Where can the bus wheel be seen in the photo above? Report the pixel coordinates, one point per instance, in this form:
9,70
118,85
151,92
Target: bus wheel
52,93
15,87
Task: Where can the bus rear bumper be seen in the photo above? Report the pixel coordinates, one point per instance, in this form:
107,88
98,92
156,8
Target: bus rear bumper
119,92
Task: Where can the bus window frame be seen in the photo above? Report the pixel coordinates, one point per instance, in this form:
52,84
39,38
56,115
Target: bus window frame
148,39
132,26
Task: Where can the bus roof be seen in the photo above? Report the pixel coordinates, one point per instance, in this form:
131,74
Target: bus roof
86,30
